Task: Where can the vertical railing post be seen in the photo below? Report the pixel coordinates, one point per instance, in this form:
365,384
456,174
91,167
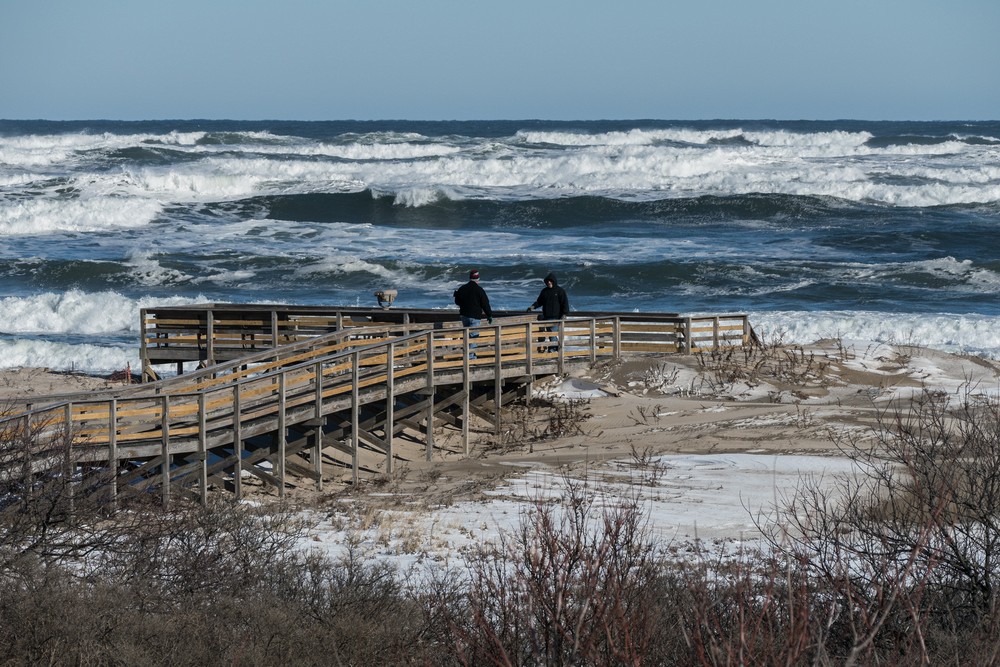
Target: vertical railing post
70,465
561,359
390,405
237,442
529,349
210,337
616,337
144,364
355,417
165,449
688,342
466,389
274,328
593,340
318,419
715,332
113,452
497,379
429,436
202,450
282,436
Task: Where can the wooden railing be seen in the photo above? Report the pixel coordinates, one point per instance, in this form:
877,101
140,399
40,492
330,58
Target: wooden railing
212,333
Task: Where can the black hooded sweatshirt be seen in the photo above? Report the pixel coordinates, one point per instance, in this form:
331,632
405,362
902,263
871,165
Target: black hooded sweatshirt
553,300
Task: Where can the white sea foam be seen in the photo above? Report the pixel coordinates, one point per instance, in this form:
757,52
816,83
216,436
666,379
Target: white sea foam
49,149
632,164
46,216
85,358
967,334
146,270
78,312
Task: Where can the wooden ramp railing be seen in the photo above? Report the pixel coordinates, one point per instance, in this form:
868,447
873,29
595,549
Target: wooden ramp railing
212,333
342,399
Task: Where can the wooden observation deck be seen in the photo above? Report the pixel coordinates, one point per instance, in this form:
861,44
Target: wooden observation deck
286,394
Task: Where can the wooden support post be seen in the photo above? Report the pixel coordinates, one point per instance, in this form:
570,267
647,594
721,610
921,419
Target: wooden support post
318,432
466,388
715,332
390,404
237,443
165,450
210,337
355,417
593,340
688,343
429,435
112,451
497,381
147,369
562,348
202,451
282,435
69,465
529,349
274,328
616,337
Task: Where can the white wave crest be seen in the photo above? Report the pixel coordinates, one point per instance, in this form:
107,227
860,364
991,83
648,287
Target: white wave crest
969,334
48,215
85,358
49,149
78,312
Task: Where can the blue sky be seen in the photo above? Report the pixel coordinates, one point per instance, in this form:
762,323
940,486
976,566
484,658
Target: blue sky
510,59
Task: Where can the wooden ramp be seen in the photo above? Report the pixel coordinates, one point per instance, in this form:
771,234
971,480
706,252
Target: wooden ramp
318,407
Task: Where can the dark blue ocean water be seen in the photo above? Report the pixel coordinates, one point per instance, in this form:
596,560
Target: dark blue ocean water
886,231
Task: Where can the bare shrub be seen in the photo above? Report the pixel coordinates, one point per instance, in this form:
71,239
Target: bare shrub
910,547
768,360
51,508
539,419
223,584
567,587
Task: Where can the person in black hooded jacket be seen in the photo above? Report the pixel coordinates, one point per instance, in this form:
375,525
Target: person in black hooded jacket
552,299
554,303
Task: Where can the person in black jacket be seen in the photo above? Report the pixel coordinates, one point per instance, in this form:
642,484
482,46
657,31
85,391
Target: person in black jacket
473,304
554,303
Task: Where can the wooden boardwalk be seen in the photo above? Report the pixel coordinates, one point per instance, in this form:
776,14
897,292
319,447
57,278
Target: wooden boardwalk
287,395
